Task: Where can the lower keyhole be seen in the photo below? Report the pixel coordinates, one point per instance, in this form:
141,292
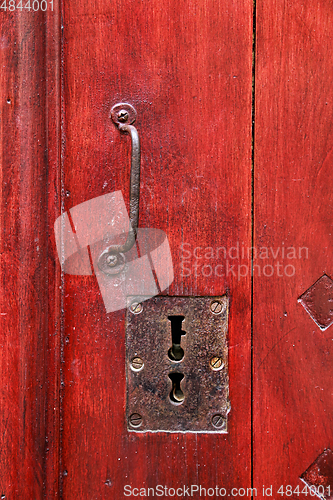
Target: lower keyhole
176,395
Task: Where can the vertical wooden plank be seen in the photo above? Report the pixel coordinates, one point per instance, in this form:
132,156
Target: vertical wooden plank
186,67
293,208
53,354
29,399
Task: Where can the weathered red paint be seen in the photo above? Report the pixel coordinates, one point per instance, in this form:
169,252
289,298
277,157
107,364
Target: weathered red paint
292,357
30,199
187,69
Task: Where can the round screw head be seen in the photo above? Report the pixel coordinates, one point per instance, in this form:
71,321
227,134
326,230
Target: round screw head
218,421
123,116
216,307
111,260
135,420
136,307
137,364
123,113
216,363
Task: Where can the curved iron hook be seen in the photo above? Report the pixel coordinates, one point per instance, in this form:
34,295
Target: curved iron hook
112,260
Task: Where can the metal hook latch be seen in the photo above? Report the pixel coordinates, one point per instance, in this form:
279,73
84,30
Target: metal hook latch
112,260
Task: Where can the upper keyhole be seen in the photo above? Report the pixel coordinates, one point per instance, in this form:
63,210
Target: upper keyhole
176,352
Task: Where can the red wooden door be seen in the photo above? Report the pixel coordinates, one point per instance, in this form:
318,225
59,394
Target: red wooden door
228,169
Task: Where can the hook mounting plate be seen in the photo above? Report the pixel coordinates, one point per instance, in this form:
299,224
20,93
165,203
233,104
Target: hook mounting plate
123,113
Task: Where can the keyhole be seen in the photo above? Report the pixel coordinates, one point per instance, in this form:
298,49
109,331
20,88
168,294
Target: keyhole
176,394
176,352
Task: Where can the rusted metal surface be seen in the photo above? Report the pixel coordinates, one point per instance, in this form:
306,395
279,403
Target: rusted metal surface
183,384
318,302
320,476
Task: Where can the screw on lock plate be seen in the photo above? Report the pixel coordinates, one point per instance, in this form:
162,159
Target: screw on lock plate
183,385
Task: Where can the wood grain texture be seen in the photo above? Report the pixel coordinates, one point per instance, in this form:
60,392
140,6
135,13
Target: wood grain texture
293,375
29,438
55,291
186,67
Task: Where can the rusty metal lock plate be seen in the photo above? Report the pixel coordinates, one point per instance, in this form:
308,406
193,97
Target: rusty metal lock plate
177,364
